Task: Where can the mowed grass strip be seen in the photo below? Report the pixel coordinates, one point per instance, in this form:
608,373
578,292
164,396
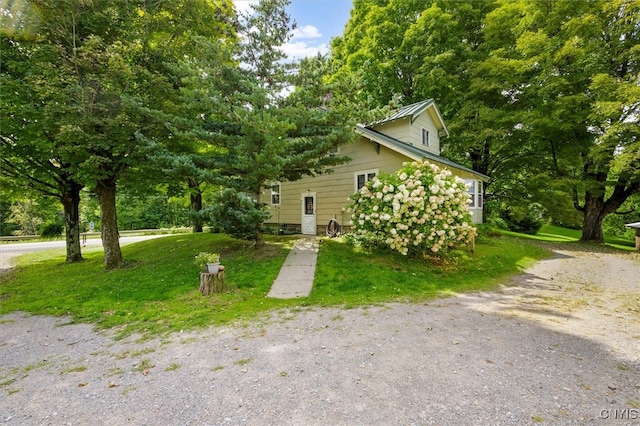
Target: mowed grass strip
557,234
351,276
157,291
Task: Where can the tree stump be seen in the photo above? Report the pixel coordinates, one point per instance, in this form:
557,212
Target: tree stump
212,283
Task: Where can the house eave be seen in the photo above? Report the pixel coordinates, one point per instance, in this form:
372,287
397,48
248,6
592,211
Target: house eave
411,151
412,112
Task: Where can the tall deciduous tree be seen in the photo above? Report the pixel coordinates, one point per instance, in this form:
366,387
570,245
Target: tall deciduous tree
396,52
108,68
35,100
578,70
531,90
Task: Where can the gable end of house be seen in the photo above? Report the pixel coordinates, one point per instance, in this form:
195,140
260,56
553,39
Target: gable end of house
413,152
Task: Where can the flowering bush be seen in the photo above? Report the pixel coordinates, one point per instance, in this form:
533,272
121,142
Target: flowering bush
419,209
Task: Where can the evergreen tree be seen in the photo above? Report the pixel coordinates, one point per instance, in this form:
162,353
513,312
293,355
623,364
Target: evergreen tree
273,136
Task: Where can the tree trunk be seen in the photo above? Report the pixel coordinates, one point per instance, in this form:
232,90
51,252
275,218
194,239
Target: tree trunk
212,283
484,201
260,234
592,226
196,205
596,208
71,201
106,190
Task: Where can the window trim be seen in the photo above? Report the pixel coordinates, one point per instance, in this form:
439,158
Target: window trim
425,137
278,193
366,173
476,194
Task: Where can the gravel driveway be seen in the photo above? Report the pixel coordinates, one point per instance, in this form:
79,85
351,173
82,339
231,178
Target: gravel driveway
558,345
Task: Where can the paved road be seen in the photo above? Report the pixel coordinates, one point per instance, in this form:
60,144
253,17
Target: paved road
7,251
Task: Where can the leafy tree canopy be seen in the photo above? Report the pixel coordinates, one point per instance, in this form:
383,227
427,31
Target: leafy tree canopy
533,91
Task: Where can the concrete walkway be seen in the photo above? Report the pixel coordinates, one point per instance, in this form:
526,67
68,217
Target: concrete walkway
296,275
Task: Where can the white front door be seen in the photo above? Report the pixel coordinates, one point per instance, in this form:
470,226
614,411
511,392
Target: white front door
309,213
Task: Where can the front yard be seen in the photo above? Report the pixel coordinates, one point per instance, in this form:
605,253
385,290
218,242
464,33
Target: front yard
157,291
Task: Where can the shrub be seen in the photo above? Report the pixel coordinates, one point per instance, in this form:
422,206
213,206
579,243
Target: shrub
487,232
613,224
526,221
279,229
236,215
51,230
418,210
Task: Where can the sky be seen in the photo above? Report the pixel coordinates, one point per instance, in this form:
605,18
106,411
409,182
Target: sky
318,21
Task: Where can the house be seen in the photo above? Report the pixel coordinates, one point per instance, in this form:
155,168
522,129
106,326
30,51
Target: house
411,133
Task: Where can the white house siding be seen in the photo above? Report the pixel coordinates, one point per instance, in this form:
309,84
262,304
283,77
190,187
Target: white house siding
476,215
476,212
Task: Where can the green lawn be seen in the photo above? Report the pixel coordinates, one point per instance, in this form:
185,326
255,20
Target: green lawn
557,234
157,291
349,276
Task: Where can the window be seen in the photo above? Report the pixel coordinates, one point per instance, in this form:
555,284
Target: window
425,137
475,191
364,177
308,206
334,150
275,195
471,189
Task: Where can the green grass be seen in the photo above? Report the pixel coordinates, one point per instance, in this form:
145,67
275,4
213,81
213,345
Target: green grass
549,233
172,367
157,291
557,234
348,276
76,369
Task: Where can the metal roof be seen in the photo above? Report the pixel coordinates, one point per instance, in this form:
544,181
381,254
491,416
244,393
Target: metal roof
413,111
408,111
411,151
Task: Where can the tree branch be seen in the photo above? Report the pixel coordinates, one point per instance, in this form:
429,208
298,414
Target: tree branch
576,203
633,209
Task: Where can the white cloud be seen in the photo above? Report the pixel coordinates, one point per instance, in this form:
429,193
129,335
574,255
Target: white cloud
300,49
243,5
293,49
308,31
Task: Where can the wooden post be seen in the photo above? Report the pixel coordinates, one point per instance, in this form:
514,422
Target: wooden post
472,244
212,283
